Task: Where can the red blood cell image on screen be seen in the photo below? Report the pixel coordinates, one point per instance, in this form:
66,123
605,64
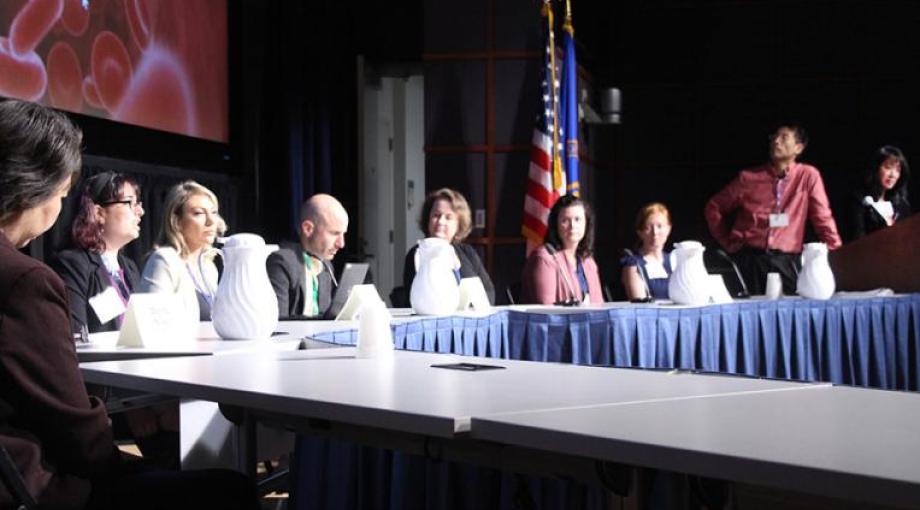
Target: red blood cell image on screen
32,23
161,64
160,94
22,77
89,93
139,17
65,78
111,68
75,17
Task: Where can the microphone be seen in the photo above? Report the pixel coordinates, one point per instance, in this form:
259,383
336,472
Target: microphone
743,293
326,268
648,292
572,301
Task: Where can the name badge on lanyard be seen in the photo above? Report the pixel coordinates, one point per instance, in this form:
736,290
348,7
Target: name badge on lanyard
779,220
107,305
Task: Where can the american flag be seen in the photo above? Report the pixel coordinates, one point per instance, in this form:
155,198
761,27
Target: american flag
546,177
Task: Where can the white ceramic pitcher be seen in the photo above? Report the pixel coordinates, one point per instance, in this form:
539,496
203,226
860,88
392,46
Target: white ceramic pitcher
816,280
689,282
245,306
435,290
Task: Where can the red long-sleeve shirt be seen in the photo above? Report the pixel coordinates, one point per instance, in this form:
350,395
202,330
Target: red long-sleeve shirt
756,194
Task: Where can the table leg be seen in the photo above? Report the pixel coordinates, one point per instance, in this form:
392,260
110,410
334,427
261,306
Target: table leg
246,443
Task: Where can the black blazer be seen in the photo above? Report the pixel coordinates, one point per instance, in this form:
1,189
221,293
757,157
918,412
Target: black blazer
288,274
470,266
864,219
85,276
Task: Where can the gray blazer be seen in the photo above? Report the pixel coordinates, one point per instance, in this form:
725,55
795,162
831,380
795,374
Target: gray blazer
287,272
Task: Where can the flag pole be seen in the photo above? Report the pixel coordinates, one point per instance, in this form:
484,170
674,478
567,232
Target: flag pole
556,159
567,25
569,104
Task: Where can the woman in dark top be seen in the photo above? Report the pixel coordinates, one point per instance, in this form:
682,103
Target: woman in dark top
100,280
98,277
883,201
446,214
58,436
650,263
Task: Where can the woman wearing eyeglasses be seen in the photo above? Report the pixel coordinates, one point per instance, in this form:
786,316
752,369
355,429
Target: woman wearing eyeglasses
99,278
191,224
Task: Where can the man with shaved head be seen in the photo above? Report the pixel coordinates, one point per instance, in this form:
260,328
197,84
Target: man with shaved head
302,275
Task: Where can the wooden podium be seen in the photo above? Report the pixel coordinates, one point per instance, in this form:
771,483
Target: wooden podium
885,258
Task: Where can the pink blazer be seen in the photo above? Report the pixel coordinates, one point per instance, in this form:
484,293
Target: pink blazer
548,279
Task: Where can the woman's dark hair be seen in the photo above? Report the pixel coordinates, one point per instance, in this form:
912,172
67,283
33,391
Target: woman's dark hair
39,151
874,185
586,246
457,203
100,189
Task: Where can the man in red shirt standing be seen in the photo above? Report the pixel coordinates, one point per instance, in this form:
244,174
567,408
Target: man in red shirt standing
771,203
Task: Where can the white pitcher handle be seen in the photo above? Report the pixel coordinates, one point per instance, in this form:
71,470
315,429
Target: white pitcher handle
201,257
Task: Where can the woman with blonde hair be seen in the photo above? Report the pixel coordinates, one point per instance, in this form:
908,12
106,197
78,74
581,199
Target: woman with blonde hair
191,224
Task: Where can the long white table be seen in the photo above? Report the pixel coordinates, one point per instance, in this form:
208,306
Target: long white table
207,439
840,442
289,336
404,394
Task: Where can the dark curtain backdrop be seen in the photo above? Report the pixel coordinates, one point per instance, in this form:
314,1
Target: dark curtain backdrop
297,100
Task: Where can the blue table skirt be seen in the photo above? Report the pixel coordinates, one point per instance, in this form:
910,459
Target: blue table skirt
872,342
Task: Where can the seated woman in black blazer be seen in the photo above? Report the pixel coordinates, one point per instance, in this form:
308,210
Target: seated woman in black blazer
446,214
98,277
883,201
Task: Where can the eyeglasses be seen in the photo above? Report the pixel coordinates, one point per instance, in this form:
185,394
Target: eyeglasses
130,202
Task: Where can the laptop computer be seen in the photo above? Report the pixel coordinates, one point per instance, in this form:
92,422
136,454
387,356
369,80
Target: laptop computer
353,274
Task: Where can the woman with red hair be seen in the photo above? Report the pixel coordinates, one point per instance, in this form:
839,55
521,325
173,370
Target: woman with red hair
98,277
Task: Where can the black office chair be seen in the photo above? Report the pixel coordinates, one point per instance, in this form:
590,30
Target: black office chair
14,483
513,293
720,263
608,295
399,297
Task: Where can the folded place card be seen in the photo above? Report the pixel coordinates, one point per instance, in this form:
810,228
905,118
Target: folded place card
473,295
155,319
359,295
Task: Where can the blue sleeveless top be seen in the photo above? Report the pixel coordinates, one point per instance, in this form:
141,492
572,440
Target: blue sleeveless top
657,286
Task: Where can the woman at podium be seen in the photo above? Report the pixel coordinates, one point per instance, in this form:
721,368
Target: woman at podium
883,201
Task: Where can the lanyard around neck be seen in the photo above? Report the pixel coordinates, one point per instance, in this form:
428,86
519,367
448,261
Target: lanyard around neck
314,280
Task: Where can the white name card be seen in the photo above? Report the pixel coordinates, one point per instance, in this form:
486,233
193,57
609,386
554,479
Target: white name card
155,319
473,295
359,295
718,292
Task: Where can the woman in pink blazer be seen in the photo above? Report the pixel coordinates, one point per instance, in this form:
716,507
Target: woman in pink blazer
562,270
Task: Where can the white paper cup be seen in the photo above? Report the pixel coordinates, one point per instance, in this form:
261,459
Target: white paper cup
774,286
